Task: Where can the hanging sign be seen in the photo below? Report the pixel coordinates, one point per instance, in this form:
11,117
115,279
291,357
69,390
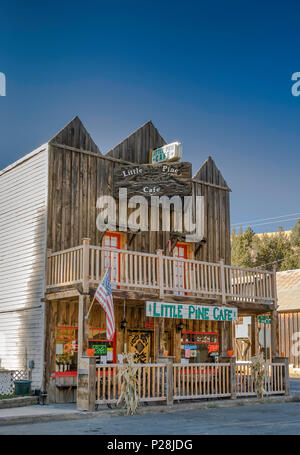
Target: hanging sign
169,152
148,180
188,311
264,319
100,349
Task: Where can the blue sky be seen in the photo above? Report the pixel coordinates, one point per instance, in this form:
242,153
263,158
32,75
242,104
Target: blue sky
214,75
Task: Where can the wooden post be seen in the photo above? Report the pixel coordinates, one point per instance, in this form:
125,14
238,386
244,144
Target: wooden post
161,323
169,381
233,377
159,328
222,281
48,268
160,273
86,384
254,336
46,330
274,320
85,265
232,373
224,338
83,325
274,334
168,361
286,379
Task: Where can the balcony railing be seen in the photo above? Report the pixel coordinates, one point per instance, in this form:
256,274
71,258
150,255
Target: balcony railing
159,274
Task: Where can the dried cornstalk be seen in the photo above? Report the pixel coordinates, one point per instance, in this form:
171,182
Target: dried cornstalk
127,375
258,368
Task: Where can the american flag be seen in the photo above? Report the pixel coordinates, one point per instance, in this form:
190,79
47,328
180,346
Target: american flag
104,296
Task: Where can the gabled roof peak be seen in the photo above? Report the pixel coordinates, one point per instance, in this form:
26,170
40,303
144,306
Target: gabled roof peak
208,172
136,146
74,134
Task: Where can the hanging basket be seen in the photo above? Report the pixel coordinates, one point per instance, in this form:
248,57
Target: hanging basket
230,353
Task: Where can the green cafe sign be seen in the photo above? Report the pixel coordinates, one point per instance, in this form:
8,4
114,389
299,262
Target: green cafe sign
264,319
195,312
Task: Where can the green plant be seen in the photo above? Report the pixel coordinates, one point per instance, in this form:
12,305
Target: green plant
127,375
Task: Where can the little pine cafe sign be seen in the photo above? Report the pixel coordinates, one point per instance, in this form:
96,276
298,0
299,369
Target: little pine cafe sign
188,311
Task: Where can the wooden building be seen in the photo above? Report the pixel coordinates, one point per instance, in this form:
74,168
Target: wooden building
53,256
288,290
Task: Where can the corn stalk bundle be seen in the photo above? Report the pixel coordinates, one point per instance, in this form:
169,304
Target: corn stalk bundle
127,375
258,368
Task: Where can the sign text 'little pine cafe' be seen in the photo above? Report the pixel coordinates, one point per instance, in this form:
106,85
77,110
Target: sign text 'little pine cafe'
197,312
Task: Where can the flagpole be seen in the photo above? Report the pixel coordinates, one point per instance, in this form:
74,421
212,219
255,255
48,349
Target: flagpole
87,315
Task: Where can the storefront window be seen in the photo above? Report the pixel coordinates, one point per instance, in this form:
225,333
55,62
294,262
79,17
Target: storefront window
104,349
67,348
197,347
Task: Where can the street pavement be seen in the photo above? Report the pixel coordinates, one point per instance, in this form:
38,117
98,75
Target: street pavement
259,419
268,419
295,386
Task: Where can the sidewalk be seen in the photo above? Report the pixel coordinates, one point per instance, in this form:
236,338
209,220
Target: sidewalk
57,412
40,413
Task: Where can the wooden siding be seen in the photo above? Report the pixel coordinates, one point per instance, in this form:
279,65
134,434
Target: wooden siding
77,179
289,324
216,213
75,135
23,199
136,147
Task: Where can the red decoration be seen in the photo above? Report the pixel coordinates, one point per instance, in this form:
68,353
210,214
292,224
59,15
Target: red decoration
149,325
212,348
90,352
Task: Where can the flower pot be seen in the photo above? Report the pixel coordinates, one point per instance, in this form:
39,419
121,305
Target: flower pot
230,353
90,352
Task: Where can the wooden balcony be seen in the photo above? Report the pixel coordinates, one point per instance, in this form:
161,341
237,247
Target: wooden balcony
145,276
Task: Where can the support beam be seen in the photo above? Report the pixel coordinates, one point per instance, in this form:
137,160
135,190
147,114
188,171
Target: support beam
83,325
254,335
274,320
274,334
161,331
224,343
86,384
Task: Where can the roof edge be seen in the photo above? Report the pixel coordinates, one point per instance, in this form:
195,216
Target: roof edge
34,152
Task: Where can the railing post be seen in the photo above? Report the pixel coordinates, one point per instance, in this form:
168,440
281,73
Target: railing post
222,281
160,273
232,374
85,264
86,384
286,375
169,381
233,377
168,362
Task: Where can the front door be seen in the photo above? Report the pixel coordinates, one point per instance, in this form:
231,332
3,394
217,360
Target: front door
139,344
